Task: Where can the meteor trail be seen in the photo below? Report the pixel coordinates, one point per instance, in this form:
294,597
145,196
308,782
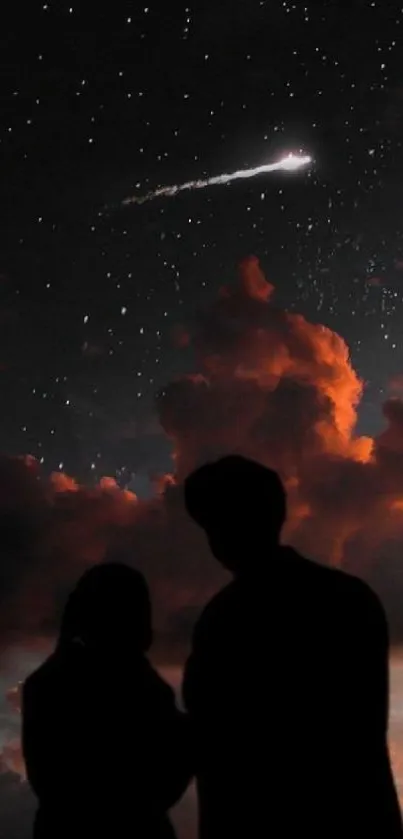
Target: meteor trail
290,163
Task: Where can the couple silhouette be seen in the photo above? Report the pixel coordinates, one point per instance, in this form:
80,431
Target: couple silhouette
285,691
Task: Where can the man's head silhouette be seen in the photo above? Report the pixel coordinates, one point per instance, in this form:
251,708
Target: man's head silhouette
241,505
109,609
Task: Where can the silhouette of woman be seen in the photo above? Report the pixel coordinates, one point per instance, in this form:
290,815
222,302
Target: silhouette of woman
106,749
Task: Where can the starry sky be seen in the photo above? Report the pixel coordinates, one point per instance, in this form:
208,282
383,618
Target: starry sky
101,102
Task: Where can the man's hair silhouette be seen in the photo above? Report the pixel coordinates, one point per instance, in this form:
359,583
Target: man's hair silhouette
107,752
287,681
236,500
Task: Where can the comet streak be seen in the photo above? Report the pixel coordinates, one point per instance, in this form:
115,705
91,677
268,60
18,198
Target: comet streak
291,163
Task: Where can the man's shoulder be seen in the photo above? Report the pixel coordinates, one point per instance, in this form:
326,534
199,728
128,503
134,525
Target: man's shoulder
219,608
323,591
339,585
226,598
157,688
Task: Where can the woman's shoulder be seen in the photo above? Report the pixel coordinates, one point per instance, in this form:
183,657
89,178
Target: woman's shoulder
37,687
50,679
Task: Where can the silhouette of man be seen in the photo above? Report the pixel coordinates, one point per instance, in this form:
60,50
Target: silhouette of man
106,749
287,681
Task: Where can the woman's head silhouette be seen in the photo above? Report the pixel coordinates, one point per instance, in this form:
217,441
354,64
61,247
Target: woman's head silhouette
109,608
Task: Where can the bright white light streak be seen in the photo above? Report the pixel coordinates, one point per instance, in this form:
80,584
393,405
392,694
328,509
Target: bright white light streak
290,163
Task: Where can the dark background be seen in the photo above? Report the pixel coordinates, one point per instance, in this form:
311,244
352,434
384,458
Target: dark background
102,101
96,101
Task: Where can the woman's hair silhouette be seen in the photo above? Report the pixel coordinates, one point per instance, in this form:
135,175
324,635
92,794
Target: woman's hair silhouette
106,749
109,607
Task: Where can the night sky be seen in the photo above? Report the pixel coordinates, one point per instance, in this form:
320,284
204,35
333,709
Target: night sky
100,104
104,101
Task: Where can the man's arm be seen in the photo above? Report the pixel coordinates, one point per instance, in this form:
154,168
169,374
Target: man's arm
172,753
371,652
369,698
200,681
195,675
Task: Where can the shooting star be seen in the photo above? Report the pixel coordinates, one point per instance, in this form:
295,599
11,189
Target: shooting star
290,163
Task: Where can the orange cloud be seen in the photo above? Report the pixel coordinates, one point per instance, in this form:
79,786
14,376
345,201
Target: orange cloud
268,384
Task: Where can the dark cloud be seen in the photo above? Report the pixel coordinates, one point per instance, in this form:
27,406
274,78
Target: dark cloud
17,807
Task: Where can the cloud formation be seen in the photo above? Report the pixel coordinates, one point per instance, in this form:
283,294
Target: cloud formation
268,384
